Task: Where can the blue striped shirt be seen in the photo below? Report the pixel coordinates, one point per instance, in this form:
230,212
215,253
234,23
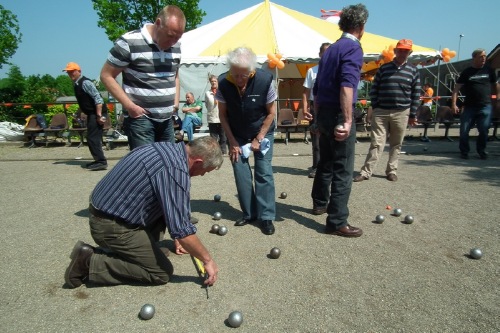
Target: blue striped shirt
396,87
150,182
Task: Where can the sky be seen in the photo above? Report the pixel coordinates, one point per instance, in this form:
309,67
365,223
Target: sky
56,32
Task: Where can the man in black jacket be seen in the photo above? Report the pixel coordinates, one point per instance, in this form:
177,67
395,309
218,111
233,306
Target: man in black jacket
91,103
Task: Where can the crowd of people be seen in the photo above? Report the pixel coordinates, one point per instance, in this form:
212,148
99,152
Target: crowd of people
147,193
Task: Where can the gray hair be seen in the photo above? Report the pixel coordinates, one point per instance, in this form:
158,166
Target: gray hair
242,57
477,52
353,17
208,149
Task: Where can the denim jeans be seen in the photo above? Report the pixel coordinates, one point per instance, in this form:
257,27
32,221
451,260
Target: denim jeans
142,131
481,117
256,201
333,181
188,125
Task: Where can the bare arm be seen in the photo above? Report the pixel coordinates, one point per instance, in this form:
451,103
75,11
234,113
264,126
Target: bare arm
193,245
308,114
108,78
454,97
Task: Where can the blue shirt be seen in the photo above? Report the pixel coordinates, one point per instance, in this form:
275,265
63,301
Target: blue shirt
340,66
149,183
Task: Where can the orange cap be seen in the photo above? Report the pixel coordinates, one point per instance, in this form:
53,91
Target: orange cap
405,44
72,66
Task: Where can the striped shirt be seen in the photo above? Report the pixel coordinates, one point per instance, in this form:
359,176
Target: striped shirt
396,87
150,182
149,73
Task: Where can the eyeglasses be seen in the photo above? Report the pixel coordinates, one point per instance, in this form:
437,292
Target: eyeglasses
240,76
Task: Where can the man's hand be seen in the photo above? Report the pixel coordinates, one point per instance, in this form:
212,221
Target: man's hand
212,271
308,115
136,111
234,152
341,132
412,121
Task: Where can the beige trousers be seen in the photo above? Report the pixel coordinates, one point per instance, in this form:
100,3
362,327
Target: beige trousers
386,123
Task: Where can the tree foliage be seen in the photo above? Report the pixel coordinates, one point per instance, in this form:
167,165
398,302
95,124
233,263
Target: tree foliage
119,16
10,35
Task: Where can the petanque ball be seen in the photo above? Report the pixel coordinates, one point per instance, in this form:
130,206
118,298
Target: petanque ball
397,212
147,311
409,219
222,230
217,216
215,228
275,253
235,319
217,198
339,127
379,218
476,253
283,195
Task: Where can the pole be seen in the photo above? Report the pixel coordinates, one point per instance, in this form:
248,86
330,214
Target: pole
459,42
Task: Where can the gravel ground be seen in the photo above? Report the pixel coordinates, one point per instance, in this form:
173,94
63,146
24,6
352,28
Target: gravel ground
395,278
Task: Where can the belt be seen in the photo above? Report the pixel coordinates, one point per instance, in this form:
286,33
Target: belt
97,213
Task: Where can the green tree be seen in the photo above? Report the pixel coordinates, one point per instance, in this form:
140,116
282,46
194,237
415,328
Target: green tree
10,35
64,86
119,16
12,87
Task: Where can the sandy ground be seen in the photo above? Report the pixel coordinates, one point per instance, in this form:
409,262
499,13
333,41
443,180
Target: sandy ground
395,278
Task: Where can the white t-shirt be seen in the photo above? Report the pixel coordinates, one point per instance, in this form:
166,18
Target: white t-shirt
309,80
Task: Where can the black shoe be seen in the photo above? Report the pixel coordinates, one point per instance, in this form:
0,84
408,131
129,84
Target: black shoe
319,210
464,156
90,164
97,166
78,270
313,173
483,155
241,222
267,227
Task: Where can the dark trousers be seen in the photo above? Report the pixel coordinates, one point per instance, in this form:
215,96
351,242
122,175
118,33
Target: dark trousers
479,116
217,132
94,138
131,254
333,181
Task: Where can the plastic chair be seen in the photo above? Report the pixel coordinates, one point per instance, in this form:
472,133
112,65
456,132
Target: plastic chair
32,129
286,122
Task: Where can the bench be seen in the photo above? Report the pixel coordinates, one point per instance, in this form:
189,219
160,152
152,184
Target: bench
58,125
424,117
445,116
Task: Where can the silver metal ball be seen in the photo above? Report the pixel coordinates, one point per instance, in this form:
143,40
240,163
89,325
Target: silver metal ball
409,219
235,319
217,216
397,212
275,253
476,253
379,218
222,230
147,311
217,197
215,228
339,127
283,195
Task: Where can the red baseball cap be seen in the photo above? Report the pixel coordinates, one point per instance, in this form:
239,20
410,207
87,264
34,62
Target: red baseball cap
405,44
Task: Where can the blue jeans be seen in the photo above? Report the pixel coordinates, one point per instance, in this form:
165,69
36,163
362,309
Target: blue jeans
481,117
259,201
333,181
142,131
188,125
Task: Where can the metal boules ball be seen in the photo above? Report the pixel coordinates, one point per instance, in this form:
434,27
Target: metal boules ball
409,219
147,311
217,216
397,212
217,197
235,319
222,230
476,253
275,253
215,228
283,195
339,127
379,218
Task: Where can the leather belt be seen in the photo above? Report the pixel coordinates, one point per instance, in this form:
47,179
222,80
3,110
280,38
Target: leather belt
97,213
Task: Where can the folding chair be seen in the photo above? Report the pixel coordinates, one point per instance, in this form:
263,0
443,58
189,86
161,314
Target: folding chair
286,122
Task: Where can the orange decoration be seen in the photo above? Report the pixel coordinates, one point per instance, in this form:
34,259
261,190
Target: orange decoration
280,64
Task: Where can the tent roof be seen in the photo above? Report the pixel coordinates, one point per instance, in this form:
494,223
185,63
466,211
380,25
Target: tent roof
271,28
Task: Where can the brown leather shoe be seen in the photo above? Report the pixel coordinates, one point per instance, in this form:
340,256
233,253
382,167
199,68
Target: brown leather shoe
359,178
319,210
78,269
392,177
345,231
